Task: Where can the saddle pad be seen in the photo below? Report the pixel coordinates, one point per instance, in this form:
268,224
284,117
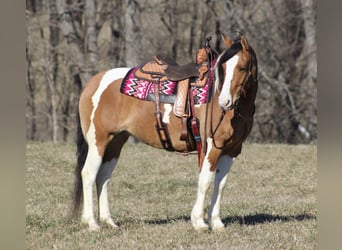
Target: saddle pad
142,89
202,94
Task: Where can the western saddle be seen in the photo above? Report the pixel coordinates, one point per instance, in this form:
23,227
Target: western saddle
192,74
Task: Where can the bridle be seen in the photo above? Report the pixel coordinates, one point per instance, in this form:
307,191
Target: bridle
233,107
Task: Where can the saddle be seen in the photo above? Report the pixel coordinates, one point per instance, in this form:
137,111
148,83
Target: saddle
165,69
194,74
196,69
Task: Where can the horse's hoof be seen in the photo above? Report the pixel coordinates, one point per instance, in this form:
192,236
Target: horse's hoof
199,224
218,229
94,228
92,225
202,229
217,226
110,223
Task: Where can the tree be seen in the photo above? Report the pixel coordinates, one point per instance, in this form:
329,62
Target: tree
51,69
132,33
91,38
70,25
68,41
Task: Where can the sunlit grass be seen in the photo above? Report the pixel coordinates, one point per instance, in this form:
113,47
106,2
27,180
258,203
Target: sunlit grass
269,201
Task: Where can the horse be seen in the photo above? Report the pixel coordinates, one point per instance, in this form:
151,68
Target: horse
107,118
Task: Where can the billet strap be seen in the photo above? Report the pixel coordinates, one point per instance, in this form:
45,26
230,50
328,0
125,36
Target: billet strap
162,131
184,129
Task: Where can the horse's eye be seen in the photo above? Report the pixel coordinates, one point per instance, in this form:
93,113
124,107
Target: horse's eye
243,69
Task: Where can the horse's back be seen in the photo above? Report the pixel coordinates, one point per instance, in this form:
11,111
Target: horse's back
99,82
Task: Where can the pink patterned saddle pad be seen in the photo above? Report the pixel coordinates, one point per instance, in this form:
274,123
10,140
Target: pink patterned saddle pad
144,89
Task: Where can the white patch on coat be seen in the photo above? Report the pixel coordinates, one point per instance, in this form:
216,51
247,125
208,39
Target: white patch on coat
204,180
107,79
225,97
222,169
94,159
88,173
167,112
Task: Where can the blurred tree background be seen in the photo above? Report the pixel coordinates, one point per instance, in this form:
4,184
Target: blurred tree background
68,41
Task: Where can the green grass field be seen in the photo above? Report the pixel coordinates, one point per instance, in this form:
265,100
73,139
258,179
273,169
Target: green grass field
269,201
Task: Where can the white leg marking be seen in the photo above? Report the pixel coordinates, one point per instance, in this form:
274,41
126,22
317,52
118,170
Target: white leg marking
167,112
222,169
225,98
89,172
204,180
102,180
94,159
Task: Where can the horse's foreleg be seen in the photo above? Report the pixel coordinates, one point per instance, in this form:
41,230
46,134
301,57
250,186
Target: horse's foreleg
222,168
204,180
102,181
89,173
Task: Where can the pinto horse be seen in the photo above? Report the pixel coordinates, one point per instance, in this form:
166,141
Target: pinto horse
107,118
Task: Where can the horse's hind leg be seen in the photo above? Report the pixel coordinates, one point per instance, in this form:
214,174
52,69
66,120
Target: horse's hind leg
89,172
103,177
222,169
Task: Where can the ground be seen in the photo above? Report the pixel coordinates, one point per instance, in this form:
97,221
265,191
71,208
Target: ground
269,201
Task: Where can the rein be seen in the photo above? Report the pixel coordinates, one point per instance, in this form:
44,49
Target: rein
234,107
209,114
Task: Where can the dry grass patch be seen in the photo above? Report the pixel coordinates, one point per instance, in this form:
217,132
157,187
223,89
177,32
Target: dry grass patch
269,201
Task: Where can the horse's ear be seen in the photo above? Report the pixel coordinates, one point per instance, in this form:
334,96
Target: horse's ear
226,40
244,43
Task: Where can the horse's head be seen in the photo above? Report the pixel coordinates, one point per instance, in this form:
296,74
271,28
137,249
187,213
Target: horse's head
235,71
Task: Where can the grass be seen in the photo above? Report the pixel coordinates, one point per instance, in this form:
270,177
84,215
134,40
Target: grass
269,201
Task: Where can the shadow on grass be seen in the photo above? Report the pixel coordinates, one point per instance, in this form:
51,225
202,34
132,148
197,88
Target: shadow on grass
266,218
154,221
242,220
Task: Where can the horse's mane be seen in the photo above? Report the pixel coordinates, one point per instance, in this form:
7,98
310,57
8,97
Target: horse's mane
230,52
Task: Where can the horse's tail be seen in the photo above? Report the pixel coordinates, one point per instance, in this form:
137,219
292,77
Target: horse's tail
81,154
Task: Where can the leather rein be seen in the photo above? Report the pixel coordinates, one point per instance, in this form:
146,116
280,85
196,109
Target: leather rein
233,107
